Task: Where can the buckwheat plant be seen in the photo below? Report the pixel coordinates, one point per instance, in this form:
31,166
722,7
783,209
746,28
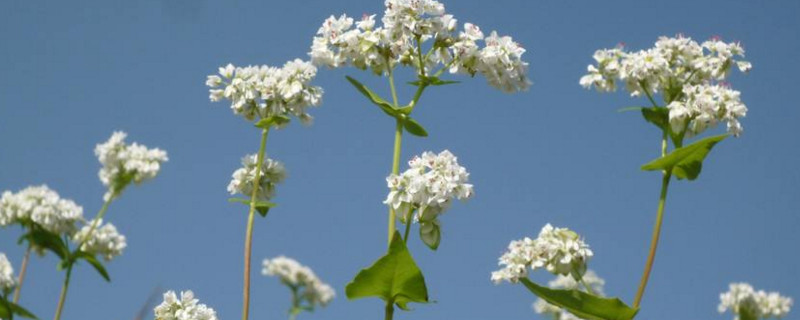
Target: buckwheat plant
42,214
563,253
7,283
690,78
418,34
122,164
185,308
308,291
747,304
267,96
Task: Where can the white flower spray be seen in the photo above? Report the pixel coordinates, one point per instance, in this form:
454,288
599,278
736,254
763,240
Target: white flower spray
185,308
308,291
748,304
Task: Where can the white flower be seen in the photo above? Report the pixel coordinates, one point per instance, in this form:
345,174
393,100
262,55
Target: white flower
567,282
558,250
687,74
299,277
266,91
105,240
272,173
186,308
42,206
429,185
407,26
125,163
7,280
743,299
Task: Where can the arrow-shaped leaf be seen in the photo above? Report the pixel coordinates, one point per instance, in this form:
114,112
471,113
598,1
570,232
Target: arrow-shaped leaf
685,162
261,206
582,304
395,278
374,98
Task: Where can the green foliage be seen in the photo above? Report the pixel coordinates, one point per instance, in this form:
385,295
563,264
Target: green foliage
685,162
92,260
582,304
8,309
41,238
413,127
261,206
374,98
432,81
431,234
395,278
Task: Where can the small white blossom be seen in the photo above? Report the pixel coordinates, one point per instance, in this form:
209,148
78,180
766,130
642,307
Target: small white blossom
272,173
429,185
743,299
7,280
42,206
567,282
105,240
688,75
299,277
187,308
407,26
266,91
125,163
558,250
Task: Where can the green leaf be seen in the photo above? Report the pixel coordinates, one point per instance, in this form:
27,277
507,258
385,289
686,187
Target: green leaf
431,234
22,312
5,309
657,116
582,304
261,206
48,240
432,81
626,109
394,278
92,260
374,98
413,127
685,162
276,120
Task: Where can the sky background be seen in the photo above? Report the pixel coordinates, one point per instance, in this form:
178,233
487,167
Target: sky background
557,153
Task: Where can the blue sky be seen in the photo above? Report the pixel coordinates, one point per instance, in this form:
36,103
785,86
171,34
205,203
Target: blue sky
557,153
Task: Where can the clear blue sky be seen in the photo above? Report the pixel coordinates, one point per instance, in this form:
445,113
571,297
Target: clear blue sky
73,73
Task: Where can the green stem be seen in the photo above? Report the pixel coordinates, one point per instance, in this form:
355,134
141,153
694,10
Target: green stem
647,92
588,288
85,238
648,267
398,141
295,310
392,87
21,277
63,296
248,240
389,310
419,56
408,225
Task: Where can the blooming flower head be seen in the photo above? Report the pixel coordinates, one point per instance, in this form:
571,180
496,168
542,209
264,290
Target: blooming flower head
41,206
7,281
185,308
299,277
125,163
104,240
688,75
264,91
558,250
272,173
429,185
745,302
407,26
567,282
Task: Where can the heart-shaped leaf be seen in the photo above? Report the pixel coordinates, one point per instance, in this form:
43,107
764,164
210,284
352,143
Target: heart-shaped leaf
582,304
395,278
685,162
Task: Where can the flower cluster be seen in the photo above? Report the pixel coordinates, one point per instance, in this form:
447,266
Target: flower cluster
558,250
677,68
125,163
298,277
407,24
704,106
104,240
7,281
565,282
272,173
42,206
187,308
266,91
428,186
742,299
